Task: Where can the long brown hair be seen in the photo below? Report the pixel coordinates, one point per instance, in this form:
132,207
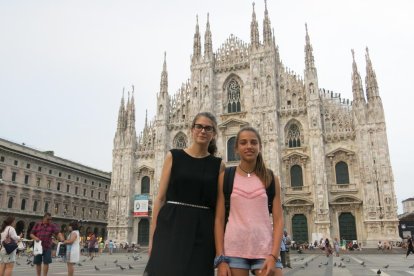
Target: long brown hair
260,170
8,221
212,146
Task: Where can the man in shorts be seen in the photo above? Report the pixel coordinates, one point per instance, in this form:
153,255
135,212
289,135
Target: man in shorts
287,241
43,231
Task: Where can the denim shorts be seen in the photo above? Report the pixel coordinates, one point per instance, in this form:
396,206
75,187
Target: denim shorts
251,264
46,257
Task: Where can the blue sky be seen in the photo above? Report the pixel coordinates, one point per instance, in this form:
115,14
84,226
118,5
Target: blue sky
63,64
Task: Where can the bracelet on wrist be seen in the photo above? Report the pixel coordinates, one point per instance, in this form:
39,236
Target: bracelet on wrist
274,257
220,259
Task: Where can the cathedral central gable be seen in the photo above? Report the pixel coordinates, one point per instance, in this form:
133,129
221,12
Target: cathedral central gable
232,55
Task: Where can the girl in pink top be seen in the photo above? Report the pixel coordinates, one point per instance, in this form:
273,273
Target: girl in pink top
248,241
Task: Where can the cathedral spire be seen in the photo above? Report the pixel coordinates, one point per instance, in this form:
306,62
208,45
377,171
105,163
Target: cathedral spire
267,29
197,43
357,89
130,120
309,59
208,43
132,108
254,31
164,78
121,113
370,78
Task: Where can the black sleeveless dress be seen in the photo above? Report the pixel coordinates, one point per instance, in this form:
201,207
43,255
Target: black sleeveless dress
183,242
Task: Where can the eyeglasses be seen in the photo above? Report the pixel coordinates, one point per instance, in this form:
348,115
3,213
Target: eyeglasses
207,129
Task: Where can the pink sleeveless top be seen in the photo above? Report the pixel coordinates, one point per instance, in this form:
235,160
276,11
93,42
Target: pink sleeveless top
249,231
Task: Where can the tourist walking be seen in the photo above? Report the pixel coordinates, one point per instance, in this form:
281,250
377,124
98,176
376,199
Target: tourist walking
288,242
283,252
8,233
410,247
101,247
72,247
183,214
336,247
248,242
91,245
328,248
44,231
111,247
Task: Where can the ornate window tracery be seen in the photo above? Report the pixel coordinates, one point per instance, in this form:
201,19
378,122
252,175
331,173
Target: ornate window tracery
293,136
180,141
233,96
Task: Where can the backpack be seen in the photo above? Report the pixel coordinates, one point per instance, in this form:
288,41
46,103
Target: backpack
228,189
288,241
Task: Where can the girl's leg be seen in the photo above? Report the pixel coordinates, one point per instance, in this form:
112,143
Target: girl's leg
239,272
70,269
9,269
276,272
2,269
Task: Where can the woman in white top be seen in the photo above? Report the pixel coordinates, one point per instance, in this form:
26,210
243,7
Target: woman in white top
72,247
7,260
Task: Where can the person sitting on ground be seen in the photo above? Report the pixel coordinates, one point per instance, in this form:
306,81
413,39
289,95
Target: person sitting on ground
380,245
311,246
355,246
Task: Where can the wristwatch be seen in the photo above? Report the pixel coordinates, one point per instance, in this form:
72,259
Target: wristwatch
219,259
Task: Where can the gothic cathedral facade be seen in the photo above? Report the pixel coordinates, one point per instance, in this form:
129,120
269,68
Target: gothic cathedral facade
331,154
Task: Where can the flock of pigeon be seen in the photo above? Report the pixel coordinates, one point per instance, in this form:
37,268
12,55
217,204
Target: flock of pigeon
135,257
342,265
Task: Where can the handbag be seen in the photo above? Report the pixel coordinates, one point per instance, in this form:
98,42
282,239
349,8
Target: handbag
61,249
9,244
37,248
21,246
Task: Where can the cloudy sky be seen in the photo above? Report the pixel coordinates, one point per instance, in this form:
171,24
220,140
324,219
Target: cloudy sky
63,64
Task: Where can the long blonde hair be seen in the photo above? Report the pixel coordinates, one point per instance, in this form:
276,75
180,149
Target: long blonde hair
260,170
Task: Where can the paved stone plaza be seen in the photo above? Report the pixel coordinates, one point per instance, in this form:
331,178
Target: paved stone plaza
302,264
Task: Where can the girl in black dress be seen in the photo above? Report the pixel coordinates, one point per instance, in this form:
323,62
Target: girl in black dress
182,231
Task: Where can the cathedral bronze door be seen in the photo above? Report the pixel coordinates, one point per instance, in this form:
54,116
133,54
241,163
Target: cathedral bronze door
143,232
300,229
347,228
